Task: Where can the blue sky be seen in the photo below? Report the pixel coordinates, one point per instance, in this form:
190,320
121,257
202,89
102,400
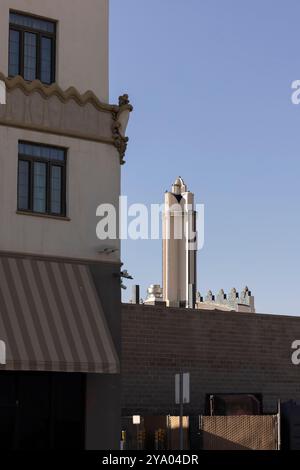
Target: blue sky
210,81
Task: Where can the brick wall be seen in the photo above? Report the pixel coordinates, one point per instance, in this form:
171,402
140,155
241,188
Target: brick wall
225,352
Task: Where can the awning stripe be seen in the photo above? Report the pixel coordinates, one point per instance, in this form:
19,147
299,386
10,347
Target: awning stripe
50,314
24,286
93,321
9,315
95,308
5,325
51,317
91,344
69,311
59,312
79,318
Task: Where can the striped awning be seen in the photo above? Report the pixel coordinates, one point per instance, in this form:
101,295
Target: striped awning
51,318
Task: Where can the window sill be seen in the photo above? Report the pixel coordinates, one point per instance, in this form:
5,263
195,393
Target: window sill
44,216
48,85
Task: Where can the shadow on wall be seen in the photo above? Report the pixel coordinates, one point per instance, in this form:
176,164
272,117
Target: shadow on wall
213,442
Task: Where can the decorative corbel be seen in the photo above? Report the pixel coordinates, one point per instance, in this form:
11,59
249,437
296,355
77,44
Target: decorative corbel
120,120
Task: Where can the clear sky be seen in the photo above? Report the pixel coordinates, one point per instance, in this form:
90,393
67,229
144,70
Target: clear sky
210,81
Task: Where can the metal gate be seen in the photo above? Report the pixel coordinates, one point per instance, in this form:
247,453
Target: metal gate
154,433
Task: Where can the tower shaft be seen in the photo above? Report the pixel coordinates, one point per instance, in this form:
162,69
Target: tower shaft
179,247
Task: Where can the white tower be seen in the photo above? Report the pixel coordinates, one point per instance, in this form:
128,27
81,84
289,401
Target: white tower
179,247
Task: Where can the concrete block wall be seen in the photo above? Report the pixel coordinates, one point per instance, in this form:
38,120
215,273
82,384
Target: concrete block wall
225,352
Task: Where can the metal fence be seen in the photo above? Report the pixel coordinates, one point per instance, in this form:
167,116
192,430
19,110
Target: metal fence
239,432
258,432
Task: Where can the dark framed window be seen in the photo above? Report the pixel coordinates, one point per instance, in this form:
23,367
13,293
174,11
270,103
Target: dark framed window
32,44
42,179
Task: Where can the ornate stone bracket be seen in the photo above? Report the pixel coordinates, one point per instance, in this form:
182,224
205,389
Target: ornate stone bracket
120,140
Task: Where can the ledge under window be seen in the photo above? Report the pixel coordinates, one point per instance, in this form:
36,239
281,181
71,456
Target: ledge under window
45,216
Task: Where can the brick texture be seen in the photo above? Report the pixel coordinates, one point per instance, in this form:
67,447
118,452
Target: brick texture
225,352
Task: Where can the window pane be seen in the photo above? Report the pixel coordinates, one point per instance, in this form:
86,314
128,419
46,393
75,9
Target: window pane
21,148
45,152
39,187
42,151
56,189
25,149
23,185
31,22
46,60
30,41
57,154
14,53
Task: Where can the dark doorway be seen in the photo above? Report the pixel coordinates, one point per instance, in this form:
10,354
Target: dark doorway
41,410
229,404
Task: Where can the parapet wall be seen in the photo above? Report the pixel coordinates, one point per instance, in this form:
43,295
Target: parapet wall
239,301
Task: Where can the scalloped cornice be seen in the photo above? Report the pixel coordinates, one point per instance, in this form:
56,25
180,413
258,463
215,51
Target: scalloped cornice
109,129
47,91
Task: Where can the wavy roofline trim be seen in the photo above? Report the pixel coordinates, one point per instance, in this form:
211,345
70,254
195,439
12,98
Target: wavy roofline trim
47,91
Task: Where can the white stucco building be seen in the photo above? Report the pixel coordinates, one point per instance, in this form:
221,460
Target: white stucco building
61,150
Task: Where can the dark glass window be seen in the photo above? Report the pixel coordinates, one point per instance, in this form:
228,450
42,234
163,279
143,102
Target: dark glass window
30,56
56,183
31,22
39,186
42,179
32,48
14,52
46,60
24,182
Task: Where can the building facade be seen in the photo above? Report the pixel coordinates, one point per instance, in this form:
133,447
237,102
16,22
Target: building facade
61,150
